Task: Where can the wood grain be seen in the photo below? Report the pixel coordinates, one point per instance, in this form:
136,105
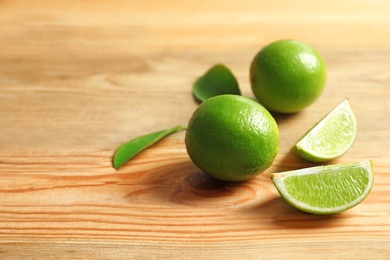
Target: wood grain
78,78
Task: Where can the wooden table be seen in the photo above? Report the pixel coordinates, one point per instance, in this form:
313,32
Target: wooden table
78,78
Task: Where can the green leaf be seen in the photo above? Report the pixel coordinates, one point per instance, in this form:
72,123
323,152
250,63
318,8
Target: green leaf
218,80
128,150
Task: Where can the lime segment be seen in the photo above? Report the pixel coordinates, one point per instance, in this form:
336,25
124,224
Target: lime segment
331,137
326,189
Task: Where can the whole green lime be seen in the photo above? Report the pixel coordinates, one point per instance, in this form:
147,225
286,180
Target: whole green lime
232,138
287,76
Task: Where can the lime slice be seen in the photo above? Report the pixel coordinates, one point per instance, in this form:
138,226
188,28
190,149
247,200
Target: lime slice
329,138
326,189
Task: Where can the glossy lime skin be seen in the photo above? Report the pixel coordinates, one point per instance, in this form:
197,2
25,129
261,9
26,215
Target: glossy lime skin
287,76
232,138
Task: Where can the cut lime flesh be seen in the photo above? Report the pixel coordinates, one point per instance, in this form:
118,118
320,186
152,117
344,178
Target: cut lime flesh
331,137
326,189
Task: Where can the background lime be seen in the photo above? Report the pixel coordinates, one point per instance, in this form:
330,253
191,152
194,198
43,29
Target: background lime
232,138
287,76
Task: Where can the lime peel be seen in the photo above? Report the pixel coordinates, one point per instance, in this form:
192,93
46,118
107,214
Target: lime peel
326,189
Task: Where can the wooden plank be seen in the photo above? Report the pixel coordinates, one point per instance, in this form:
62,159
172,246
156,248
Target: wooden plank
78,79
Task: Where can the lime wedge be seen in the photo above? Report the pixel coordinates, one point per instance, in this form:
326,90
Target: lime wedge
326,189
329,138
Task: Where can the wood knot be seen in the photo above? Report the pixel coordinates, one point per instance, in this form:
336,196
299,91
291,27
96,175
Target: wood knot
204,182
200,190
204,185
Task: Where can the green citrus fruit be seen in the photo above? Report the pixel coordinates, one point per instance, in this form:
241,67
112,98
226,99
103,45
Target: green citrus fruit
232,138
326,189
287,76
329,138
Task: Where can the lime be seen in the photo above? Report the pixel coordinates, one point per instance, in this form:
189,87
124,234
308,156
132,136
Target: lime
232,138
287,76
326,189
331,137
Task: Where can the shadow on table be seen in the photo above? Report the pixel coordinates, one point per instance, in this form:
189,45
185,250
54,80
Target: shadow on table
182,184
276,212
